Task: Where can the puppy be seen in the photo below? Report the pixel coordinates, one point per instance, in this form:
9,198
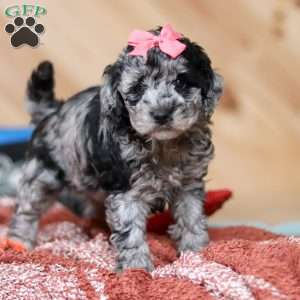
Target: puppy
141,138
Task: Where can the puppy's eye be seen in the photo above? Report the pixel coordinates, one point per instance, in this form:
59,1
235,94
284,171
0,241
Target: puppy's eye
138,87
182,85
136,91
184,82
180,82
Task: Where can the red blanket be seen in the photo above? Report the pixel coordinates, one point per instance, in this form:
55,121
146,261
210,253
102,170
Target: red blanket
74,261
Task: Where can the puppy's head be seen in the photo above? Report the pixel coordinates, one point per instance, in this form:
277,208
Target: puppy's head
163,96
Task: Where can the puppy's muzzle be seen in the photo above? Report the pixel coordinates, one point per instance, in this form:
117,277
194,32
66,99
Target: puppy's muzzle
162,115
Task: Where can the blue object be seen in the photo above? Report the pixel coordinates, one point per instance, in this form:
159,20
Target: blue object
15,135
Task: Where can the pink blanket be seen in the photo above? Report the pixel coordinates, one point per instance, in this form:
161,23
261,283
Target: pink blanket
74,261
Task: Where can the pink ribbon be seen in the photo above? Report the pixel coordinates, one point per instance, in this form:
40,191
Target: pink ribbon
167,41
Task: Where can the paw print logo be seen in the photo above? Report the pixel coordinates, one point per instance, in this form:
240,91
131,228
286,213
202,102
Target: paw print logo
24,32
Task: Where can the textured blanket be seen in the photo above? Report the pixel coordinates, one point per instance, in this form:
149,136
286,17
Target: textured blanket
73,260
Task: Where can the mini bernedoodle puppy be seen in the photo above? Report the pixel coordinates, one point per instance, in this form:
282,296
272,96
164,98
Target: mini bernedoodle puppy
140,138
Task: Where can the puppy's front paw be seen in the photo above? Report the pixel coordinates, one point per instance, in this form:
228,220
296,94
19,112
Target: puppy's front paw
141,261
193,242
8,244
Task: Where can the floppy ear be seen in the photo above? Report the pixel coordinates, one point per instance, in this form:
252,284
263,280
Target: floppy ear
114,120
109,91
211,83
113,108
214,93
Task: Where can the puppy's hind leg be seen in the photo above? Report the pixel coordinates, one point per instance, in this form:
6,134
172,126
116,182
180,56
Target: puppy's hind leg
35,194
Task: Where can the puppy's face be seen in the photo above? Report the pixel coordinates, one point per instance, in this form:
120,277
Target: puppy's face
164,96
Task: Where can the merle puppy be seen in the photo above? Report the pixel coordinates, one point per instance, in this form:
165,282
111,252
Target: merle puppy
141,138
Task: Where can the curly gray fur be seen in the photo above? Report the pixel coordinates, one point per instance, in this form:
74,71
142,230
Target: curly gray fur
141,137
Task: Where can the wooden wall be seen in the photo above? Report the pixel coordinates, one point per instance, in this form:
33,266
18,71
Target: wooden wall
254,44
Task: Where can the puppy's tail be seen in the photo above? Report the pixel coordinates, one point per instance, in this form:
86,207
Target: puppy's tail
40,93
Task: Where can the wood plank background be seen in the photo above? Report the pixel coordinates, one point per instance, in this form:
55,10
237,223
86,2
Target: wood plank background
254,45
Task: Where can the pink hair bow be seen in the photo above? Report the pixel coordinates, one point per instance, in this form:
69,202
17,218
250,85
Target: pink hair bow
167,41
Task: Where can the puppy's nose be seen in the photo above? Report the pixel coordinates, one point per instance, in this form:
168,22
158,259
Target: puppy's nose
162,116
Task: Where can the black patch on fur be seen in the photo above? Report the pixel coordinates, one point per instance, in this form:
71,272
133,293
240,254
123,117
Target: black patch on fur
121,117
41,84
200,72
105,159
40,92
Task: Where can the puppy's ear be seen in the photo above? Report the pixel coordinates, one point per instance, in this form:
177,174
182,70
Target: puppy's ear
114,119
112,104
214,93
109,91
112,73
210,82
